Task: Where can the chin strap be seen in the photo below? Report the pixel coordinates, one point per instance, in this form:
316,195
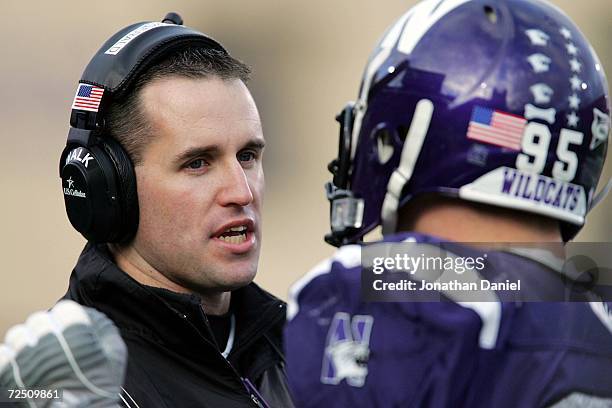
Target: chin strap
410,154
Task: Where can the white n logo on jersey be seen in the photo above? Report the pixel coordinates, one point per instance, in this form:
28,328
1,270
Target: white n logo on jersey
347,349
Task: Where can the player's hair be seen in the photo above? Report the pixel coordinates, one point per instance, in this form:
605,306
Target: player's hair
126,121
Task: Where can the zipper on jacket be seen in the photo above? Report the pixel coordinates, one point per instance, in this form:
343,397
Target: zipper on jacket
255,395
250,389
256,401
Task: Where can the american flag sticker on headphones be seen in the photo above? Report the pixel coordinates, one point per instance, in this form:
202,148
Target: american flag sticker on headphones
88,97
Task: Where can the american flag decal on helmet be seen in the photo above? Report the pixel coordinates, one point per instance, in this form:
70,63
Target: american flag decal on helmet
496,128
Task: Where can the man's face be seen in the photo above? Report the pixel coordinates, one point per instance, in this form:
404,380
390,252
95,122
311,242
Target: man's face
200,183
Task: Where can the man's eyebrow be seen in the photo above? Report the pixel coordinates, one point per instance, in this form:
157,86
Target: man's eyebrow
257,144
194,152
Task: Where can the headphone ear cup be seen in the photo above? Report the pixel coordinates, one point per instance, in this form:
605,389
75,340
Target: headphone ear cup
128,193
89,184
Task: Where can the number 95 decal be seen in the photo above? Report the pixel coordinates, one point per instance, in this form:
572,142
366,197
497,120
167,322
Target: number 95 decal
535,144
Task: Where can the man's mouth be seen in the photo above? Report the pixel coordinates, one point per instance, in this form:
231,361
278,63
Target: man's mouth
237,236
234,235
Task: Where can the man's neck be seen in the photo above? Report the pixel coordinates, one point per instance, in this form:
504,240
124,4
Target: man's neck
462,221
130,261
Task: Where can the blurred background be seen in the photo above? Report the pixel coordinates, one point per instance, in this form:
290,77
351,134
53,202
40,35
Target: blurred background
307,59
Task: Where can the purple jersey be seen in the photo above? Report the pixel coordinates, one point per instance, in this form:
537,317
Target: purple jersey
343,352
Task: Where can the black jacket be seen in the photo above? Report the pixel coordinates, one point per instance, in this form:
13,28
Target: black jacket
173,358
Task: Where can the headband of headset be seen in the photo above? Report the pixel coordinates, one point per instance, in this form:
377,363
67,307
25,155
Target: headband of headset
118,64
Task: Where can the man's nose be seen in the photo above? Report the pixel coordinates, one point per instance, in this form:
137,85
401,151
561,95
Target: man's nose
236,189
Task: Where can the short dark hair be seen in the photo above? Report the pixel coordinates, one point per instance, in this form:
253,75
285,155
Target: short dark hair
126,122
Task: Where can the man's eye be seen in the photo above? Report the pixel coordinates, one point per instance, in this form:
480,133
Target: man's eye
196,164
246,156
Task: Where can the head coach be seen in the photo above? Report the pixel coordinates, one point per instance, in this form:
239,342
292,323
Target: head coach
162,174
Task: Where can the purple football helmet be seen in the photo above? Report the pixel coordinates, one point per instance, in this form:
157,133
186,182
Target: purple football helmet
498,102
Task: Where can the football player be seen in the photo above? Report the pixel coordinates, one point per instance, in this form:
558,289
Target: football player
476,121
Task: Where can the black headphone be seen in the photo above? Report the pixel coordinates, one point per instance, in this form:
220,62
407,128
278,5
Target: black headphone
98,179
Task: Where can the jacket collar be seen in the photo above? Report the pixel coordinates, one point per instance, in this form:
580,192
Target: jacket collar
164,316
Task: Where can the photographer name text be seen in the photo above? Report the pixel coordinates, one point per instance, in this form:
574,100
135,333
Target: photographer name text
453,285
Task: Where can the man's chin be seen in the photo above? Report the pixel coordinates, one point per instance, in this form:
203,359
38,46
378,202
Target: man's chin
242,282
236,278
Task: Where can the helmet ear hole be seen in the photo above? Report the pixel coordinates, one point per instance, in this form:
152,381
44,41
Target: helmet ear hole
491,14
384,144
